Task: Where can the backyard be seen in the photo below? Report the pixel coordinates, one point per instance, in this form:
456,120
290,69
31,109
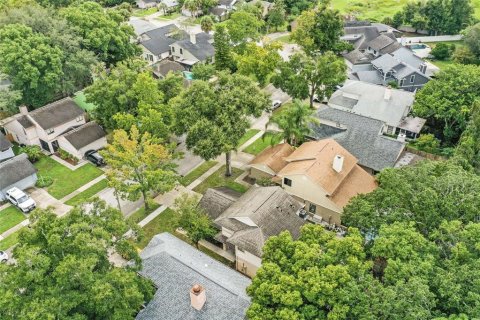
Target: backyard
9,218
65,181
442,64
218,179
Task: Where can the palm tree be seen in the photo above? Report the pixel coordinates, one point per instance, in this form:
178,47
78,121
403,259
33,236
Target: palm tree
206,23
193,6
294,121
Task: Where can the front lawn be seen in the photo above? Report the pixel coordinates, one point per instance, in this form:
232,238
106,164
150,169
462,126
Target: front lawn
141,214
262,143
65,181
197,172
9,218
247,136
89,193
218,179
165,222
169,16
144,12
9,241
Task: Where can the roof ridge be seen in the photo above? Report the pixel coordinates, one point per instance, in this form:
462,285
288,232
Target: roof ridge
50,105
76,129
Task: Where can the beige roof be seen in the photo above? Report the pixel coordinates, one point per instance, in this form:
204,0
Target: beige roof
274,157
357,182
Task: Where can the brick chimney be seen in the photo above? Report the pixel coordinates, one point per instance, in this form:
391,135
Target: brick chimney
198,296
338,163
193,38
23,110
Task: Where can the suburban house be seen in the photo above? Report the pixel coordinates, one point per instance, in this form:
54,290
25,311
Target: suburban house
248,221
197,48
162,68
156,43
320,174
392,106
16,172
145,4
190,284
141,26
359,135
6,151
61,124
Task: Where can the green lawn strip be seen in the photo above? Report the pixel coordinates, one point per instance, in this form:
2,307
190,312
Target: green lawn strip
80,99
169,16
262,143
218,179
144,12
141,214
9,218
88,193
247,136
197,172
9,241
65,181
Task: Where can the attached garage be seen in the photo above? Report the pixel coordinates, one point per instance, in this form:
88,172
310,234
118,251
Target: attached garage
16,172
89,136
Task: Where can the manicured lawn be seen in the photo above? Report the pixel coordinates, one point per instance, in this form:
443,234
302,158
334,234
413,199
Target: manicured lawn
9,218
80,99
262,143
9,241
247,136
140,214
169,16
65,181
87,194
218,179
144,12
197,172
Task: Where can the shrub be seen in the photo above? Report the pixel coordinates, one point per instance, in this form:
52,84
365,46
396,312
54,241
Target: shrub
427,143
64,155
265,182
442,51
33,152
44,181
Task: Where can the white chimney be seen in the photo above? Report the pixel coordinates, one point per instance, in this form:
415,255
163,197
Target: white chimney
338,163
198,296
193,38
388,93
23,110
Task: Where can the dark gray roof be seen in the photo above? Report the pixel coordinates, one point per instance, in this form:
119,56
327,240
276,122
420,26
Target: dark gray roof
84,135
361,136
175,267
56,113
360,36
268,210
202,49
5,144
25,122
216,200
163,67
14,170
358,57
385,43
158,40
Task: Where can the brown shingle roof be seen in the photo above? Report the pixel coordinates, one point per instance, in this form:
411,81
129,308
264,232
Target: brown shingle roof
274,157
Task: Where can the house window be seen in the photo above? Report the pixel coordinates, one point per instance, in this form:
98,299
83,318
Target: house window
79,118
402,82
50,131
312,208
390,130
181,51
412,78
173,49
287,182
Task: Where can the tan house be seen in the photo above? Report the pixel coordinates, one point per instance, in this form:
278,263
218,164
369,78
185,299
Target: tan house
248,220
61,124
321,174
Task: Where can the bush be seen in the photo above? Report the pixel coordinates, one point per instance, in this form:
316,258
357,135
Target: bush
64,155
33,152
442,51
427,143
265,182
44,181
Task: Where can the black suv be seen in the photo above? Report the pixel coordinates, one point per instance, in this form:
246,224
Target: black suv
94,157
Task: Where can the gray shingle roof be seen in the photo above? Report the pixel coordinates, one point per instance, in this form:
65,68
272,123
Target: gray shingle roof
56,113
365,34
371,76
159,40
269,210
84,135
14,170
175,267
216,200
163,67
361,137
25,122
381,42
407,56
5,144
357,57
202,49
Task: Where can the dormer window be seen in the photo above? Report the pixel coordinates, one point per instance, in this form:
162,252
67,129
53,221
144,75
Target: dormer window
50,131
287,182
80,118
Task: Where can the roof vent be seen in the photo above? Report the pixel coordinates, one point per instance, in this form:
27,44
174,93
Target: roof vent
198,297
338,163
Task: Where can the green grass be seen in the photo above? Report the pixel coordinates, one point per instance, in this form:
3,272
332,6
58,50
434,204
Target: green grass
87,194
141,213
218,179
144,12
9,218
376,10
197,172
284,39
169,16
262,143
65,181
80,99
9,241
442,64
247,136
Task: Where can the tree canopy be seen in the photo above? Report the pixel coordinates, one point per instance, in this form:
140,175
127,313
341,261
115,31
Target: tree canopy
259,61
62,269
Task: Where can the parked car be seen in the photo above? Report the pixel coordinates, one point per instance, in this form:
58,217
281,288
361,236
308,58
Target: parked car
276,104
20,199
94,157
3,257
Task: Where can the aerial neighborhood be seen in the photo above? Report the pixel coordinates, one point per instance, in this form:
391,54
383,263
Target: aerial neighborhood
235,159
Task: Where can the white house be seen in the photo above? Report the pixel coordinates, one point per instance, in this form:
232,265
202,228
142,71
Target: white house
197,48
156,43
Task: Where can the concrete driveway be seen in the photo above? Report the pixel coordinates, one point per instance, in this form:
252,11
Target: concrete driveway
44,200
127,207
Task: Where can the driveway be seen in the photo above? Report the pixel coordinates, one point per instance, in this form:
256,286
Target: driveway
127,207
44,200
